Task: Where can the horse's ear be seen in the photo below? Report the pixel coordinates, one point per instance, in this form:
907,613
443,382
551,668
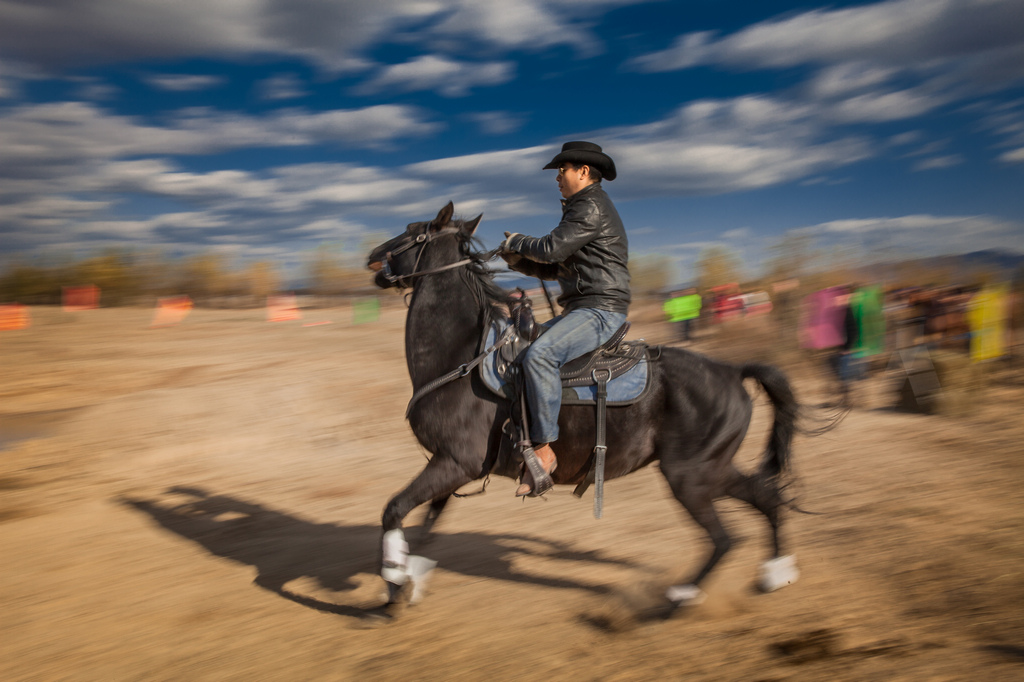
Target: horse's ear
469,227
444,216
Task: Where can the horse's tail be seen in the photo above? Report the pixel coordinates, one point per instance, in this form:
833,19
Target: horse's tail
776,385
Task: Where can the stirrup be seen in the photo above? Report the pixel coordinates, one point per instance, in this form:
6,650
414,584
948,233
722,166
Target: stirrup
541,479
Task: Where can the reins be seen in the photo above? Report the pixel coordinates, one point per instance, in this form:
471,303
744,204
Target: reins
400,280
460,371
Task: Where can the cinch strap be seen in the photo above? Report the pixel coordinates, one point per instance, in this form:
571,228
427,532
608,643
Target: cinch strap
596,473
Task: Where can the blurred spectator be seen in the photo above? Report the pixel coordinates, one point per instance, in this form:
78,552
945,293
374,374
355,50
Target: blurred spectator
845,362
866,307
727,303
683,309
987,316
830,324
756,303
821,324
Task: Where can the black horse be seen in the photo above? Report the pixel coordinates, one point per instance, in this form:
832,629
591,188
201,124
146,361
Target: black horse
691,421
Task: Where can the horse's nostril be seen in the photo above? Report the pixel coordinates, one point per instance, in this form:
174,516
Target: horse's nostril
375,265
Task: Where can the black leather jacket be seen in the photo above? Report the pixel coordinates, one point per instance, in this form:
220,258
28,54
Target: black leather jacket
587,253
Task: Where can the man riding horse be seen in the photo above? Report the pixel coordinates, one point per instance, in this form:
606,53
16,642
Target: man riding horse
588,254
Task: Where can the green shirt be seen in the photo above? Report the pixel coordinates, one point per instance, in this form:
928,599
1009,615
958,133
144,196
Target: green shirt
682,308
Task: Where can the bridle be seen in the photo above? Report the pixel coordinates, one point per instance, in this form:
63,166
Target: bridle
401,281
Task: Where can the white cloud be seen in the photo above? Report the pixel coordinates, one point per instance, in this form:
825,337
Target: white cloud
284,190
711,146
71,32
496,122
692,246
524,23
851,77
927,235
869,55
430,72
282,86
881,106
1006,120
50,207
909,137
506,163
715,146
641,231
13,74
893,33
328,228
94,89
113,229
497,208
56,135
740,233
327,33
190,220
1013,156
931,148
368,126
179,82
707,147
939,162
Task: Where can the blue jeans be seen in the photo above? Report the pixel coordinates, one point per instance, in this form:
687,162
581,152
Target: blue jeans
567,338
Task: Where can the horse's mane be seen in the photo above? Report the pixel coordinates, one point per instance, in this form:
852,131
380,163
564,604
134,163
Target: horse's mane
477,276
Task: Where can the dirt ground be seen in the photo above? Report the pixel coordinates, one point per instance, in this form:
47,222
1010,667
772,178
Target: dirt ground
202,502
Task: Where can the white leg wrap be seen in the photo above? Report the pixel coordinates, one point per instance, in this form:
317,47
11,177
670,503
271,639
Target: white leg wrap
778,572
685,595
400,567
419,570
395,555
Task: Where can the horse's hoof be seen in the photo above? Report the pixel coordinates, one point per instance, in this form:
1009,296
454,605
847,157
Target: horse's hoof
778,572
685,595
395,594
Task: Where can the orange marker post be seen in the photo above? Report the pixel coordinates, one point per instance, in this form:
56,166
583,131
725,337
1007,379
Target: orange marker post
171,310
14,316
283,308
80,298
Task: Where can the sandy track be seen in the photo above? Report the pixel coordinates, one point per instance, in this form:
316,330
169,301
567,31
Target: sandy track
202,502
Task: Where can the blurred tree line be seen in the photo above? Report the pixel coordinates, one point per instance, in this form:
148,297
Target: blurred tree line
127,277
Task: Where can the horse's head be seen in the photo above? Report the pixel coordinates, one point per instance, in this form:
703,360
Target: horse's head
401,259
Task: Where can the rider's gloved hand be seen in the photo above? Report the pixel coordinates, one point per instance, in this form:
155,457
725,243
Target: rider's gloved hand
506,245
507,254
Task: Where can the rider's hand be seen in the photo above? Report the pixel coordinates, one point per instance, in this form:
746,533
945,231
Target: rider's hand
506,247
507,254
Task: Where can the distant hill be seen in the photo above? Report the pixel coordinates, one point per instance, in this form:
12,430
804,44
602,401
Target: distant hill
965,265
1003,260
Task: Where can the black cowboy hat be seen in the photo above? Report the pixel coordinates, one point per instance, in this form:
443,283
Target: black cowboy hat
584,153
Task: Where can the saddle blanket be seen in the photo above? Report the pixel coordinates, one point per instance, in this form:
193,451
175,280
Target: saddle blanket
622,390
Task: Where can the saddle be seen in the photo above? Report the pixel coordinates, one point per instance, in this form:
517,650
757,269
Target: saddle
614,358
585,381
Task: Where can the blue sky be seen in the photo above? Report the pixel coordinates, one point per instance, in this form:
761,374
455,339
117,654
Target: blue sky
263,128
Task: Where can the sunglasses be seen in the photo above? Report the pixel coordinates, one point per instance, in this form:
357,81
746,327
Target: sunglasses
563,169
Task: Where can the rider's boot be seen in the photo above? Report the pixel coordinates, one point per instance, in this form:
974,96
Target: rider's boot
546,458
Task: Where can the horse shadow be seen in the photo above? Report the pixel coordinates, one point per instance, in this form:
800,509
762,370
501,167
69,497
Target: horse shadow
283,547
